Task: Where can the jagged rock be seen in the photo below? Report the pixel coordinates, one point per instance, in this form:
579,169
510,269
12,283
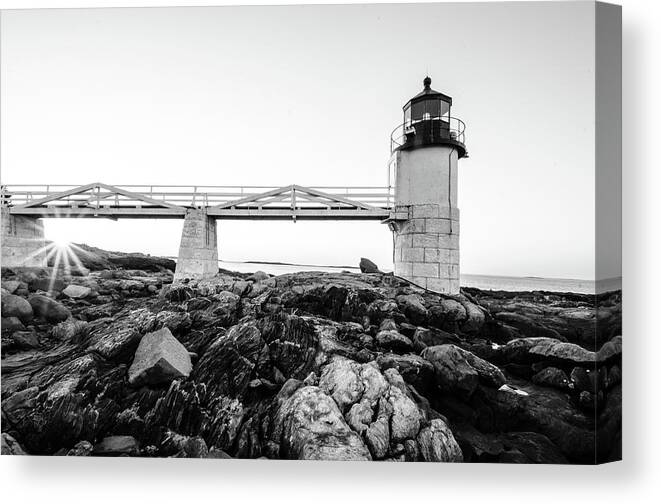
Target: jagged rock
414,369
81,449
312,428
160,358
117,445
71,330
11,324
528,350
367,266
459,371
77,291
16,306
377,438
48,309
528,327
584,380
552,377
406,417
424,337
437,444
258,276
11,285
10,446
610,350
341,380
413,307
25,340
393,340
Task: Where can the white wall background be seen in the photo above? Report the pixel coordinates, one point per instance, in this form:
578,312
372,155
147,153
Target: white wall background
635,480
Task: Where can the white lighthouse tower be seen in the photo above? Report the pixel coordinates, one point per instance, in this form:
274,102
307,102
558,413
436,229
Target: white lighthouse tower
425,149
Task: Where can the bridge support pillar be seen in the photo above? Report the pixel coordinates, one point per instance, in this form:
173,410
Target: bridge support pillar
23,242
198,252
427,247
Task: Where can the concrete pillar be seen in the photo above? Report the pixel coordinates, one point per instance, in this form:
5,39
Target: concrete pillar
198,252
23,242
427,241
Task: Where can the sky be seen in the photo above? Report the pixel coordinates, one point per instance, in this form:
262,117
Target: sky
309,95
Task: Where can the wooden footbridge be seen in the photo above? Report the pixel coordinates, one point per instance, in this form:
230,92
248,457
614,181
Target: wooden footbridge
220,202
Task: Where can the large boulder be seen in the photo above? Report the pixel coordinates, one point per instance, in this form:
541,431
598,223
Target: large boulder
311,427
437,443
460,371
367,266
160,358
49,309
393,340
530,350
16,306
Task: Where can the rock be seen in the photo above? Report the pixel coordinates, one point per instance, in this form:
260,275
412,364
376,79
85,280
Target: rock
423,338
258,276
341,380
437,443
377,437
117,445
217,453
552,377
81,449
528,350
535,448
406,417
413,307
10,446
16,306
71,330
160,358
48,309
584,380
77,291
393,340
449,314
367,266
459,371
11,285
11,324
528,327
25,340
360,416
414,369
475,318
311,427
610,350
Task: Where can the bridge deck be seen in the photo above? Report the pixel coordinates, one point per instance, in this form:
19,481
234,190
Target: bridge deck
222,202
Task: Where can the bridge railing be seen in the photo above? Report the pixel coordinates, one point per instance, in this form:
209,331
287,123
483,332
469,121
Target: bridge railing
181,195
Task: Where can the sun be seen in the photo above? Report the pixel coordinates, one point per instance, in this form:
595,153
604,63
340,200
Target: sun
61,243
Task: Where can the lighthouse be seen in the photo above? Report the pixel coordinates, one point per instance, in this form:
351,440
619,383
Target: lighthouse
425,150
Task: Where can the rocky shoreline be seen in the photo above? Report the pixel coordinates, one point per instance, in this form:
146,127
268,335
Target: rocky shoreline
112,359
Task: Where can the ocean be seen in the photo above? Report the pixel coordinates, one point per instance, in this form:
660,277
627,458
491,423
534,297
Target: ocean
485,282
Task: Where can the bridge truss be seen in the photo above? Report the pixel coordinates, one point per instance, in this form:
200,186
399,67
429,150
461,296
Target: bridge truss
222,202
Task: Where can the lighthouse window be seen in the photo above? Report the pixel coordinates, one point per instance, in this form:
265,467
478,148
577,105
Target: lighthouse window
407,116
445,109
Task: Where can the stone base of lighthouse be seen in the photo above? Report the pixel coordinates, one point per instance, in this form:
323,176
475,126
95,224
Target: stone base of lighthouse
198,252
427,247
23,242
